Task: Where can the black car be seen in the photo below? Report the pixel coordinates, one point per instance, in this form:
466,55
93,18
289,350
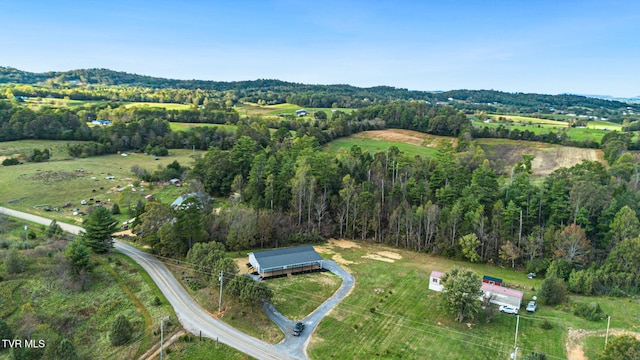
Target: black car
297,330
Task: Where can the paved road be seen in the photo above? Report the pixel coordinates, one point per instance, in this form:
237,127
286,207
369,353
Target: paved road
192,317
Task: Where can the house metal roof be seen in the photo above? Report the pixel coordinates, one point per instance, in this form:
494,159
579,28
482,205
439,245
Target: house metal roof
502,290
285,257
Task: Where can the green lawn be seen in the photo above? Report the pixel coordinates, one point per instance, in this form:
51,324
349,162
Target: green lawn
375,145
318,287
251,109
31,187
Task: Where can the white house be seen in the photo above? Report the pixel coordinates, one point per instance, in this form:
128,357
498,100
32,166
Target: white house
501,295
495,294
435,283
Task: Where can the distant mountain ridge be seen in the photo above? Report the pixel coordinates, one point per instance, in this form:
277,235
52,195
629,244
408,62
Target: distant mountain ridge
309,94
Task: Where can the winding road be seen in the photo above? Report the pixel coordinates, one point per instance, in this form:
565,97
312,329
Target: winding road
195,319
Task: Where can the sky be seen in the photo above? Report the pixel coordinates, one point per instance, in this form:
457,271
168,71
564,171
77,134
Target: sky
549,47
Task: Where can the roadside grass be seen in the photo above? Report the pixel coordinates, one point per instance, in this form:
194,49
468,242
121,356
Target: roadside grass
374,146
392,313
31,187
85,317
176,126
314,287
248,319
205,349
593,346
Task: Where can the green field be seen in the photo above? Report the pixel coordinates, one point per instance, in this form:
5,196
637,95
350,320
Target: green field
166,106
251,109
31,187
175,126
58,148
374,146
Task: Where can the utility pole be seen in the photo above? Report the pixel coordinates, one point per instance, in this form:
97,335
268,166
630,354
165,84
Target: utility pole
606,338
515,343
220,302
161,338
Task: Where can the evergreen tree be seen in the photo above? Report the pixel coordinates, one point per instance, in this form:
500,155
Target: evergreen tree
98,229
78,255
5,332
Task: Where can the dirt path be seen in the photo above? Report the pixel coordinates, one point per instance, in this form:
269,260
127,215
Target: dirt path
575,349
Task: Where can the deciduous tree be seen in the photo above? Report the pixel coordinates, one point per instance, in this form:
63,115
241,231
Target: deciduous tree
461,293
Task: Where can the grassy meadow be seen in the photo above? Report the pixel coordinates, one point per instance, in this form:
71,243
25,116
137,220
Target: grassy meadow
31,187
594,131
252,109
376,145
176,126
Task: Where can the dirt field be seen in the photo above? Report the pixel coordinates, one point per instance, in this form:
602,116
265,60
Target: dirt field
406,136
548,157
503,153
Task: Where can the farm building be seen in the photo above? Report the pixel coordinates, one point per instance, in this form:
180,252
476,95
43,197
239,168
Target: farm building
501,295
434,280
301,112
285,261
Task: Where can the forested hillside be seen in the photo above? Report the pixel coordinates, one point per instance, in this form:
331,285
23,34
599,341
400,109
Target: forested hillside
110,83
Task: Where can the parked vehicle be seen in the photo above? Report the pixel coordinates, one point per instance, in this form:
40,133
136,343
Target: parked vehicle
532,306
297,330
509,309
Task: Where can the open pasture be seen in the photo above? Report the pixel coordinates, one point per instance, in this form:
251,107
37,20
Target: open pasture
32,187
409,142
252,109
176,126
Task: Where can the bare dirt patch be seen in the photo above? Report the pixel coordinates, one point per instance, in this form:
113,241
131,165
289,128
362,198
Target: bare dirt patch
406,136
342,261
378,257
342,243
390,254
506,153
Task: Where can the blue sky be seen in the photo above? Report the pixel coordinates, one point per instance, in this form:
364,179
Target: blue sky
551,47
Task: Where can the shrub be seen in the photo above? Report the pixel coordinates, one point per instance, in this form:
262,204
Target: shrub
156,301
591,311
546,325
10,162
121,331
14,262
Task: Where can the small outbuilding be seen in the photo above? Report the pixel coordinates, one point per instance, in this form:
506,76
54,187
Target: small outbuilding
491,280
285,261
435,282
